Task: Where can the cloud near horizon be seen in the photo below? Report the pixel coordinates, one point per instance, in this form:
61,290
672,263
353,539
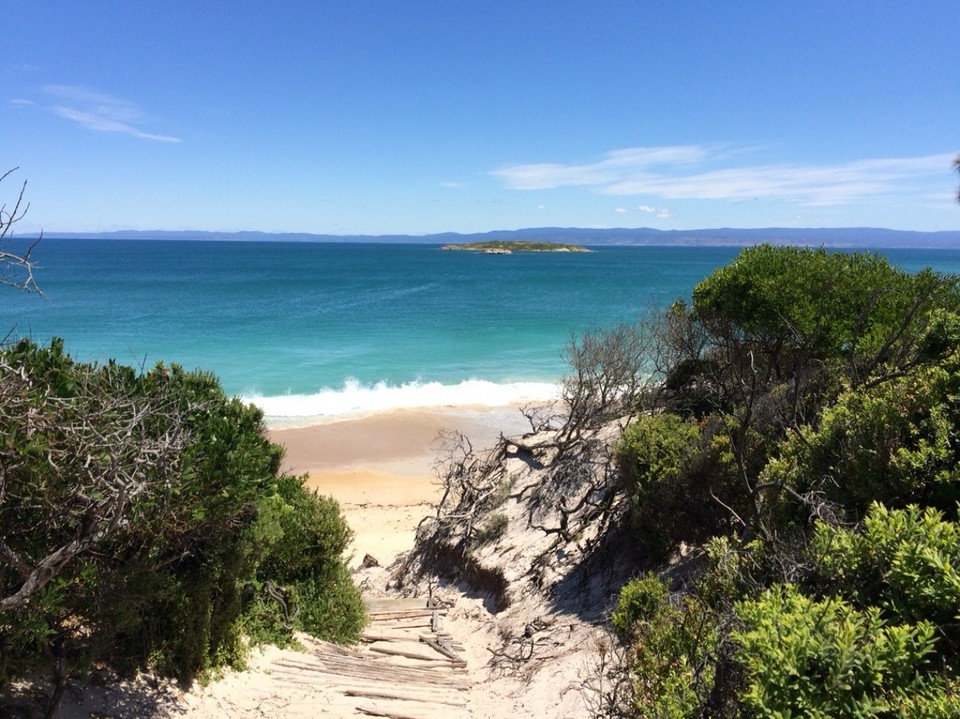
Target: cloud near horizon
693,172
102,113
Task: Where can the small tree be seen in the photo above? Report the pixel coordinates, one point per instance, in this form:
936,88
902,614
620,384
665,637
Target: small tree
611,372
143,519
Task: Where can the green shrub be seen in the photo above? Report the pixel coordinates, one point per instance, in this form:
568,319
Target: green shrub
656,448
897,443
303,582
674,472
906,562
672,650
824,658
641,600
791,306
162,495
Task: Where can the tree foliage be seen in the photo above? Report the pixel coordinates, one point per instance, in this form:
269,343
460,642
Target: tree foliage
826,658
809,421
143,520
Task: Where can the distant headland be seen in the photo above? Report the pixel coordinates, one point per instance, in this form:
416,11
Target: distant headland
507,247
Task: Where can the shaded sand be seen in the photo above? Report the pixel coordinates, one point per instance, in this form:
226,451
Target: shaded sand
381,468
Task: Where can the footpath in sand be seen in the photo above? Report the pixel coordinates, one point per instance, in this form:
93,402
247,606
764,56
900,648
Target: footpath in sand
405,667
420,658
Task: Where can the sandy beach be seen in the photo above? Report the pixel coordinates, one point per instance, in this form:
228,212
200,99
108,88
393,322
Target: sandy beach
381,468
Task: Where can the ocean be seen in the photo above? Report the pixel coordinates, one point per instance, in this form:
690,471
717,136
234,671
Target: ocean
314,332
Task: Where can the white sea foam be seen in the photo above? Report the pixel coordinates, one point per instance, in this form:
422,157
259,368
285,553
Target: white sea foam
358,400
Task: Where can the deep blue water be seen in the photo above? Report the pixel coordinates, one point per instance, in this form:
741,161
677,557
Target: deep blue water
315,328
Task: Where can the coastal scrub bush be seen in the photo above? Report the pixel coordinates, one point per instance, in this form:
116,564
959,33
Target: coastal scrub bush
825,658
789,306
135,510
672,647
904,561
895,442
641,600
674,470
302,569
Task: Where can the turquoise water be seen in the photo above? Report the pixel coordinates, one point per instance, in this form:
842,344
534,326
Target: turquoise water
313,329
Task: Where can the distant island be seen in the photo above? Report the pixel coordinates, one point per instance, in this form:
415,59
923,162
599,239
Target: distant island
506,247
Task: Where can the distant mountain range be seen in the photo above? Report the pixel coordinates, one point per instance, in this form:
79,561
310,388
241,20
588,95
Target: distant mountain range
830,237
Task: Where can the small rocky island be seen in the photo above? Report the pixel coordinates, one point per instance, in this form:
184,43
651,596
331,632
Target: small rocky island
507,247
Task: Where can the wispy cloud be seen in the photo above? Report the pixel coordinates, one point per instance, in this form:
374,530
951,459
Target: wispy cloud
661,213
101,112
615,166
700,172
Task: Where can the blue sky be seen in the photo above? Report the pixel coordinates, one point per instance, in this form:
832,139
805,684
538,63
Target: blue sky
362,117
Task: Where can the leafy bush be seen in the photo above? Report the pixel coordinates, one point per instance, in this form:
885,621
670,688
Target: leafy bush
672,649
825,658
792,305
904,561
641,600
897,442
136,508
303,562
673,472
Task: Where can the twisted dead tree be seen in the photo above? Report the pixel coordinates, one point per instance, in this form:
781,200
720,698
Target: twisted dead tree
614,373
16,268
472,482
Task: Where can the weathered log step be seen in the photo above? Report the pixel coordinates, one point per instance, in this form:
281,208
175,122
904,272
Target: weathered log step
406,613
389,713
402,623
443,649
401,696
375,605
444,640
432,657
451,675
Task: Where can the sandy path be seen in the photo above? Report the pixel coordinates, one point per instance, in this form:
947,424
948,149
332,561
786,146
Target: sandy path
381,468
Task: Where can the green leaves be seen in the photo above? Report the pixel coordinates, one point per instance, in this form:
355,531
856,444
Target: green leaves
825,658
794,304
896,442
825,446
906,561
672,649
136,506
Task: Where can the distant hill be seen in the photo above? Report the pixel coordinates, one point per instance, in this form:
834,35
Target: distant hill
831,237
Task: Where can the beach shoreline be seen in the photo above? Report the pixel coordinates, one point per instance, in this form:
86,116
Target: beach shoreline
381,469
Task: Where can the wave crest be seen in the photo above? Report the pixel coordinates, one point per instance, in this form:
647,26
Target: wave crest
355,400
